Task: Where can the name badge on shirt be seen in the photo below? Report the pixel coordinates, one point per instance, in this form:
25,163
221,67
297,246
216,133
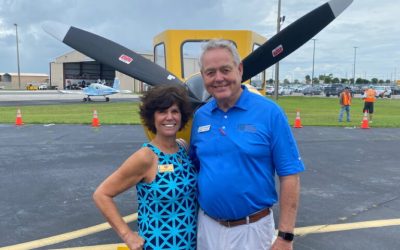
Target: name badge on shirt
166,168
202,129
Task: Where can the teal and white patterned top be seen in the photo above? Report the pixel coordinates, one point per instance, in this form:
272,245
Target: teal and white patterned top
167,213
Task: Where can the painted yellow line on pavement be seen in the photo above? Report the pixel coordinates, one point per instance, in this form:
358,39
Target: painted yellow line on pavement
98,247
298,231
346,226
104,226
67,236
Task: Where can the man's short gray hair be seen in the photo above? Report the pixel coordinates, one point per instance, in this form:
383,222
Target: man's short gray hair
220,44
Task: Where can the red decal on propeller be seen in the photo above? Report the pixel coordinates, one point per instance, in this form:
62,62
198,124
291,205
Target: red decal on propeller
277,51
126,59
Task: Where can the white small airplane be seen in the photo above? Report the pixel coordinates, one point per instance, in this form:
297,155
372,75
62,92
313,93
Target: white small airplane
99,89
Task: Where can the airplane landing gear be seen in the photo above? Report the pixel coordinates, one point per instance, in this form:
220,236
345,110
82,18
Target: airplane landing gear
84,99
107,99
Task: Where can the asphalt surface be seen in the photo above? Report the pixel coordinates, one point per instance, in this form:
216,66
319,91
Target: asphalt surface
46,97
49,172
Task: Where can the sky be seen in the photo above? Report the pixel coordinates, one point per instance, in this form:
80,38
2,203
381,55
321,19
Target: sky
371,26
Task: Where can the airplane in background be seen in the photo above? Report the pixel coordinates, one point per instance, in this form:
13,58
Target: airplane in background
99,89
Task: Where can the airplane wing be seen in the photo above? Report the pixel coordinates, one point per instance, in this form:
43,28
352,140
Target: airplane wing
77,92
292,37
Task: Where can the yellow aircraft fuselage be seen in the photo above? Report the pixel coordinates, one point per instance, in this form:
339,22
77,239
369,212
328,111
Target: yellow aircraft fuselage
178,52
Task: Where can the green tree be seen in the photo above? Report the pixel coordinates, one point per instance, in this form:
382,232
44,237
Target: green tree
308,79
335,80
360,80
326,78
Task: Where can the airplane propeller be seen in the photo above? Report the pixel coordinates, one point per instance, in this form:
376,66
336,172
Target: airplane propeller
138,67
292,37
115,55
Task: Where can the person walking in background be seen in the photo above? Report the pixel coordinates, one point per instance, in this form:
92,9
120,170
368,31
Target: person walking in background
369,99
345,103
164,176
239,141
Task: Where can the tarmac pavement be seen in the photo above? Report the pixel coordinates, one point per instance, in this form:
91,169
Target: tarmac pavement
49,172
349,196
46,97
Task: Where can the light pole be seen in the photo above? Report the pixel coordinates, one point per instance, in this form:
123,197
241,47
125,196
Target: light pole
19,72
278,28
313,60
354,66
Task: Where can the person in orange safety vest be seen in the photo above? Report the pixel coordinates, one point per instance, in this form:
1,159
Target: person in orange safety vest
369,99
345,102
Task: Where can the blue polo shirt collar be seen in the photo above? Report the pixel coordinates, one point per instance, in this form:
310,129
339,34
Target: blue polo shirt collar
240,104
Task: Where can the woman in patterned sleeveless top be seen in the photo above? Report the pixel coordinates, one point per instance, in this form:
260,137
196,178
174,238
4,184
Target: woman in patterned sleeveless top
164,177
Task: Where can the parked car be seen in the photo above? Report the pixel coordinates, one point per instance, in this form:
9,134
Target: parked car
312,91
333,89
336,88
356,89
395,90
269,90
286,91
383,91
42,87
258,84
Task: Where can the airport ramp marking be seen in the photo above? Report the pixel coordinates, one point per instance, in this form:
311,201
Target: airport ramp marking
346,226
301,231
66,236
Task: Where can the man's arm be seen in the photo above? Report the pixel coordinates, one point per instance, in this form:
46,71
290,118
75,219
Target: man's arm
288,204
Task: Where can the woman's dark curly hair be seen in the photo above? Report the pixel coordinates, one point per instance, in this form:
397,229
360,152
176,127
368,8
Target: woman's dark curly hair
161,98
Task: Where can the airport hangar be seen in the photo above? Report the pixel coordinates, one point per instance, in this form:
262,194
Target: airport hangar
75,70
13,81
72,70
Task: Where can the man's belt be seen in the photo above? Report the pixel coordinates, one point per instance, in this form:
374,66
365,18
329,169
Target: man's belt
246,220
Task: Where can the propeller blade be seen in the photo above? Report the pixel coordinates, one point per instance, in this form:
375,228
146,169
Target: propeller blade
112,54
292,37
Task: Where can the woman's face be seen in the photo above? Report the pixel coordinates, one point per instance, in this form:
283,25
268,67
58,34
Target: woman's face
168,121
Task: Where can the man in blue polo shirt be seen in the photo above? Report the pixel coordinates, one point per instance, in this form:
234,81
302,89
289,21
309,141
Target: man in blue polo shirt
239,141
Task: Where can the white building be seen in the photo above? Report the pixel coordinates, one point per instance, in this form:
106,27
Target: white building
74,70
21,81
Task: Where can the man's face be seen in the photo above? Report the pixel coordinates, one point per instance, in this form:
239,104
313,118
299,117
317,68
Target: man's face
222,78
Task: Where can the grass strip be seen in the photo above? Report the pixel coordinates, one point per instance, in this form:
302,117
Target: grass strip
314,111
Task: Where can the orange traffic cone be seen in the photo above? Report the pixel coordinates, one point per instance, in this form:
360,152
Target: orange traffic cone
297,121
365,123
95,120
18,120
